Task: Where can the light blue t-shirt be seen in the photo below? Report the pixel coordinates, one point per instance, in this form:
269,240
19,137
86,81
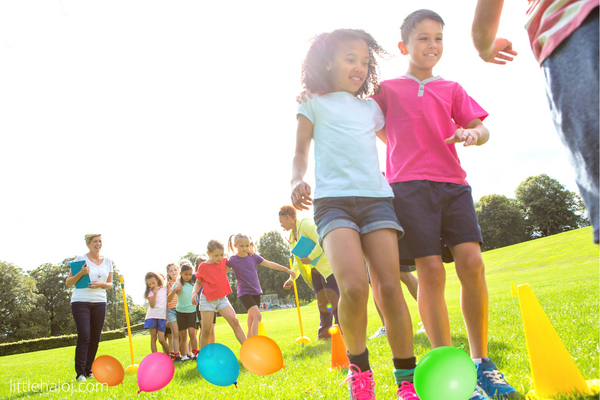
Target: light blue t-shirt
184,298
346,159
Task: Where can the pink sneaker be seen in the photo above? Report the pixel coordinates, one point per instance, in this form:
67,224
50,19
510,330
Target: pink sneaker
406,391
361,384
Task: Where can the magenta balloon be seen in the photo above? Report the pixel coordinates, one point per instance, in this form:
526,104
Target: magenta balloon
155,372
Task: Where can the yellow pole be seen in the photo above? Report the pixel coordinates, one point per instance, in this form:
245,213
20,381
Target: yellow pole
133,367
302,339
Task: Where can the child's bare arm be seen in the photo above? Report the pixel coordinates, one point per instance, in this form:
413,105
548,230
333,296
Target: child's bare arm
485,26
152,300
196,289
475,133
382,135
301,190
278,267
171,295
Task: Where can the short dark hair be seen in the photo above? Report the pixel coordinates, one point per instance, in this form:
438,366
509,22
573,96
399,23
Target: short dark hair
414,18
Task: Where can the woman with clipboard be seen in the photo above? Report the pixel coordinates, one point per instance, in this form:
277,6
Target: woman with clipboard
91,274
313,266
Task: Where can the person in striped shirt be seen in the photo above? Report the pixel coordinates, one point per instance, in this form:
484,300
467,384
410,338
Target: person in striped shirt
564,40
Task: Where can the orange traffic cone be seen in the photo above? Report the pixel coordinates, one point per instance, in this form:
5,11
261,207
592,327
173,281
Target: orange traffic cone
339,357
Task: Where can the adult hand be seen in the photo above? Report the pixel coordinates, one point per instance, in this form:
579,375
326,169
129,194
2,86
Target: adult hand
500,52
468,136
96,285
301,195
288,285
305,260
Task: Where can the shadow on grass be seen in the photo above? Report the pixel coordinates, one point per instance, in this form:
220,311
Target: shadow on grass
422,346
312,350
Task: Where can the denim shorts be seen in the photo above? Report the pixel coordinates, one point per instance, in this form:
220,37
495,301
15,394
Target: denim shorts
155,323
213,305
171,315
363,214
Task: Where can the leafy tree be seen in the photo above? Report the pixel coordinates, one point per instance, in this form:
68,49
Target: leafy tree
549,208
55,297
18,298
189,256
501,220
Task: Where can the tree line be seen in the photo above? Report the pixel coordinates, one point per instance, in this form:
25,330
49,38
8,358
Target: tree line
542,207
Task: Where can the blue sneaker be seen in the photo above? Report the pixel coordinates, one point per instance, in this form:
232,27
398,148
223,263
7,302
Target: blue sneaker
477,396
491,382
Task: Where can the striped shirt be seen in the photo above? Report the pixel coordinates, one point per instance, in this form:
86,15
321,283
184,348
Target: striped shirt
173,302
552,21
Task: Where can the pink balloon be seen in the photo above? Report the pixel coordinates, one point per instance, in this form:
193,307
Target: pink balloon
155,372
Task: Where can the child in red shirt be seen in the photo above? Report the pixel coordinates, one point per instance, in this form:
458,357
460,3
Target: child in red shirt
213,276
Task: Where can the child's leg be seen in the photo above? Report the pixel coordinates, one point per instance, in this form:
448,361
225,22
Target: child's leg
153,339
207,326
381,251
169,342
193,339
183,343
229,314
344,251
175,337
211,338
431,301
163,342
255,316
473,295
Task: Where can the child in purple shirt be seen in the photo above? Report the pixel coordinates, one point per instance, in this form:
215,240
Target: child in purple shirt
244,264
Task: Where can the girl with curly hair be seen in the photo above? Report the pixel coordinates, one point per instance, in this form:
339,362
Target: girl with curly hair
353,207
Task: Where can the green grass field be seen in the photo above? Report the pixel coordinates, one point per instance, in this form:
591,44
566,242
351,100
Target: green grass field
562,270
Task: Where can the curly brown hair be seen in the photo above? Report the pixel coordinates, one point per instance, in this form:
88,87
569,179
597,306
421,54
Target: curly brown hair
315,76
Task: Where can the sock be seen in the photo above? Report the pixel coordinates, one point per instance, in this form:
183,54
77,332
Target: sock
477,360
361,360
195,352
404,369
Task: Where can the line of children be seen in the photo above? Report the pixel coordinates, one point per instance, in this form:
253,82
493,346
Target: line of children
212,276
156,322
244,267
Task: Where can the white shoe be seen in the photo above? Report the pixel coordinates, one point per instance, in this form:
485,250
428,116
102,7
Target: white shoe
81,378
184,358
422,330
380,333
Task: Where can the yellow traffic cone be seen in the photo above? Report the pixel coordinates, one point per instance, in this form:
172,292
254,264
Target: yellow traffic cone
553,370
261,329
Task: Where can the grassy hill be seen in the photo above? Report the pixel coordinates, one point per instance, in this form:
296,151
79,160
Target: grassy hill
562,270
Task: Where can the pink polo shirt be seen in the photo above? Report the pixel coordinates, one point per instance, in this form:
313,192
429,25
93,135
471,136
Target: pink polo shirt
419,117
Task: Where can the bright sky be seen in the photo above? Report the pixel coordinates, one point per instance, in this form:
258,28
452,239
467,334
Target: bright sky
163,125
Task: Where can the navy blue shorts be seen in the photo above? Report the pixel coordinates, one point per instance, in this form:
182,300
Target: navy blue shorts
435,216
363,214
155,323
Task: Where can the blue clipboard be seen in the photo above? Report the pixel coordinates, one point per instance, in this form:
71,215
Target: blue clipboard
304,247
83,282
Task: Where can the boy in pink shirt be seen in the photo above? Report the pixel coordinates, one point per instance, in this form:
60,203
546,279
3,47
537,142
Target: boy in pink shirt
425,116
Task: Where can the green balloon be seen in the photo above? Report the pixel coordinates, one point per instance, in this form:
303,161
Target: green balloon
445,373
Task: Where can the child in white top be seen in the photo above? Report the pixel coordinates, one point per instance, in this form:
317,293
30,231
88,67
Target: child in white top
156,316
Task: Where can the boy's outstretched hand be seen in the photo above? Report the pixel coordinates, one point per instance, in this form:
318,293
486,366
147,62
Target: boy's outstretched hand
468,136
500,52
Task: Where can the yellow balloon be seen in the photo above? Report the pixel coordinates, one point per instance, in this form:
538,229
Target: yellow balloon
261,355
108,370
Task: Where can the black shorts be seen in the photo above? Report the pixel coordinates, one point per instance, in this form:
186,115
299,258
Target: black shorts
250,300
435,216
186,320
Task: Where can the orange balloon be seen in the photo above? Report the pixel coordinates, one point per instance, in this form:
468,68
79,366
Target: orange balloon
108,370
261,355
